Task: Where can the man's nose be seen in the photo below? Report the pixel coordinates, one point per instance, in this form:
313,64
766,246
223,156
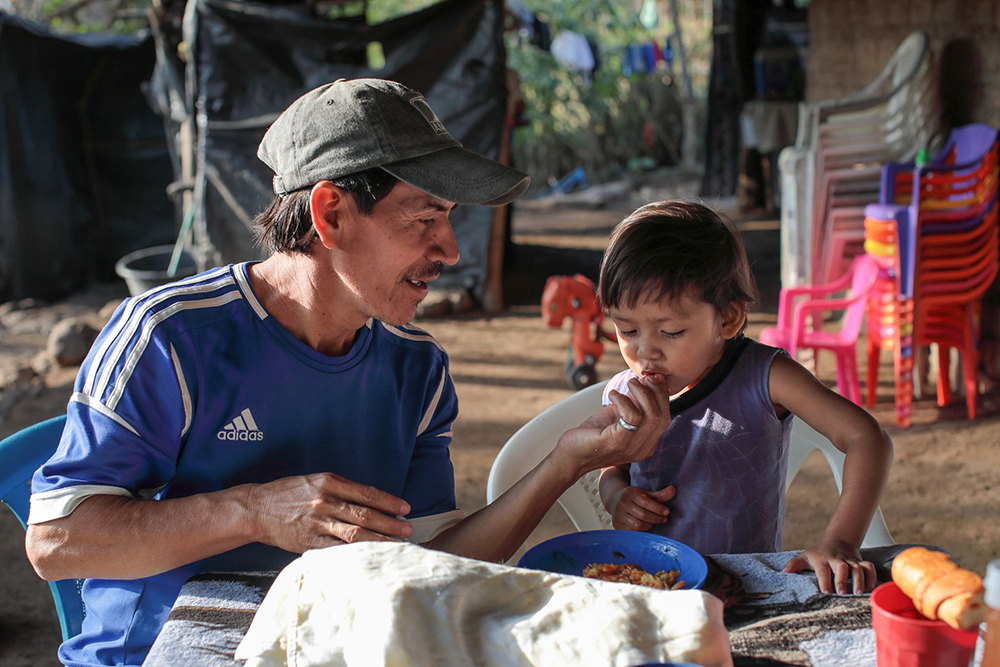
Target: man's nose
444,247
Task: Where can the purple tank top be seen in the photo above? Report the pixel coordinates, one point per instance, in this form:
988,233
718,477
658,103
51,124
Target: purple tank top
726,451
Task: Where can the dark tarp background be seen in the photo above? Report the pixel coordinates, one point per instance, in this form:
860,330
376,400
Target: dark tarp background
250,61
84,161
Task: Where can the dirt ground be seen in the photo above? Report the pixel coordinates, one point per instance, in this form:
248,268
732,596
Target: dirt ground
944,488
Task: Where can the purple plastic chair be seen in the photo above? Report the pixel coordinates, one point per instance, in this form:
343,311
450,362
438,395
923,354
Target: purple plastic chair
970,143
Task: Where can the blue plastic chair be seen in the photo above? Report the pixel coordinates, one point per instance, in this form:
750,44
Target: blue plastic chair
20,456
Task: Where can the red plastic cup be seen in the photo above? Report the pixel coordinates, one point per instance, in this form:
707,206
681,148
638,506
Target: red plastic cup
905,638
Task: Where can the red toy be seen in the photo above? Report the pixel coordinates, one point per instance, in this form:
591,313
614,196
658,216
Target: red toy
576,298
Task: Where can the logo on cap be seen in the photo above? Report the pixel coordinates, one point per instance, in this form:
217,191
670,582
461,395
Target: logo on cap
420,104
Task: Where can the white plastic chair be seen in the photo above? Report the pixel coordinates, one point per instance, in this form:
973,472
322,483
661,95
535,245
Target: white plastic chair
834,167
582,502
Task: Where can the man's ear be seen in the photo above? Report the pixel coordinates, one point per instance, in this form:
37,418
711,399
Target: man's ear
328,211
732,319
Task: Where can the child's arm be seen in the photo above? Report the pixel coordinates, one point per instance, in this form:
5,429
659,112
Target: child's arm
868,451
630,507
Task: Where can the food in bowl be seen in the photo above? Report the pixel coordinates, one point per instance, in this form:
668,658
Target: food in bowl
569,554
628,573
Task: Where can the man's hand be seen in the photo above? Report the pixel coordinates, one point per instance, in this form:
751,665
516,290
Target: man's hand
314,511
837,560
640,510
602,441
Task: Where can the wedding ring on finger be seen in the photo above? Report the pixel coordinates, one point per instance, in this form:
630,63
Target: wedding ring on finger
625,425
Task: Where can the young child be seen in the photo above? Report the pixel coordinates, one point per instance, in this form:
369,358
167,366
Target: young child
676,283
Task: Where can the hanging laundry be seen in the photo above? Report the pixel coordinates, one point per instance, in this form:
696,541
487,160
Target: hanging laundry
649,17
657,53
668,53
633,60
542,37
572,50
523,14
596,54
648,58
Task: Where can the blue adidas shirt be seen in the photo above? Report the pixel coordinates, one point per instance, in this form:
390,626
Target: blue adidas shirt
192,388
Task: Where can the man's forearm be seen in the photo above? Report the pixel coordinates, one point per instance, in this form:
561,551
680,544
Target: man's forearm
111,537
495,532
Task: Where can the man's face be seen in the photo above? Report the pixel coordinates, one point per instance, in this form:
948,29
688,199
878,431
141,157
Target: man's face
392,254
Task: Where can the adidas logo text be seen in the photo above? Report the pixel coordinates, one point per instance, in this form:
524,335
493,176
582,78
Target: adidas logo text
242,428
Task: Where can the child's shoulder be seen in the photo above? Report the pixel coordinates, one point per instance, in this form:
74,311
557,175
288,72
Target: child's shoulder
758,353
619,383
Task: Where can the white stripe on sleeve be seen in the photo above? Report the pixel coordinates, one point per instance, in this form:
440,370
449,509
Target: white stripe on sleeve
147,333
185,395
425,338
55,504
94,404
426,528
157,293
433,406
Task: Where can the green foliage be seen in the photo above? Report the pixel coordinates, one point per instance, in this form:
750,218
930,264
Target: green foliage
76,16
606,124
380,11
603,125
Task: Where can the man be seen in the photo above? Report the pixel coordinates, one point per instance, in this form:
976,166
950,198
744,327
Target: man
245,415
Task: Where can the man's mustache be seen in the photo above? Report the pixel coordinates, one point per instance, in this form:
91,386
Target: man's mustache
427,273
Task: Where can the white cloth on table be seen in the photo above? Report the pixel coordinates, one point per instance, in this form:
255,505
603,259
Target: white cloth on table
380,603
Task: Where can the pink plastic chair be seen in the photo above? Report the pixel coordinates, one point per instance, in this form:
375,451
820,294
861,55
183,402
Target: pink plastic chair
793,332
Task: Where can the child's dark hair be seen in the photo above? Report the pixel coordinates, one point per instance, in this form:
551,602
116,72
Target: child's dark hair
665,248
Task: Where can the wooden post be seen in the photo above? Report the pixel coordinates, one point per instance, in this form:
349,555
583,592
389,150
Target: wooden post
493,289
689,107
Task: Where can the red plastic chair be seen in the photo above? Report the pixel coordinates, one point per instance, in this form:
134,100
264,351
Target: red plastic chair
793,330
929,294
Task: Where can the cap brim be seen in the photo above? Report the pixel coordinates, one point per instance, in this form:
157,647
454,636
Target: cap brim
459,175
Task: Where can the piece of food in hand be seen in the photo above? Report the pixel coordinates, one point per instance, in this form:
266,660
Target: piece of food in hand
939,588
627,573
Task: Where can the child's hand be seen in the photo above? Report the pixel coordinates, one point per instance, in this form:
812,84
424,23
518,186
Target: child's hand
836,559
640,510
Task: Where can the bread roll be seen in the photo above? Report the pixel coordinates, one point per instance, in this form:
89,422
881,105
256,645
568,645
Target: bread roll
963,611
939,588
953,584
918,566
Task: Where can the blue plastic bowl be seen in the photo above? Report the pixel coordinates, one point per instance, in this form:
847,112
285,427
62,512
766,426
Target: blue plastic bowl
569,554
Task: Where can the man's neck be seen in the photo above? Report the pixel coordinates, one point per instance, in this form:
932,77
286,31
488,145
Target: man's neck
310,303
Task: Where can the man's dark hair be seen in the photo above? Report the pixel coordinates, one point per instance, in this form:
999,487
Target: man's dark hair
666,248
285,225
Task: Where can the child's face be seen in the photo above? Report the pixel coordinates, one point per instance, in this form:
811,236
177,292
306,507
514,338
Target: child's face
680,339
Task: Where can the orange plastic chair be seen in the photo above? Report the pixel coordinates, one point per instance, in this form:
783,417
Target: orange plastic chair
938,256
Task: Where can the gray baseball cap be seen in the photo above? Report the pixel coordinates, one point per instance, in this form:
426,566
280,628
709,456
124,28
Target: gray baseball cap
352,125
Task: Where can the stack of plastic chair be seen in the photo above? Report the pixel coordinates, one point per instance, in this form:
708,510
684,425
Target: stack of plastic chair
938,255
794,312
833,170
